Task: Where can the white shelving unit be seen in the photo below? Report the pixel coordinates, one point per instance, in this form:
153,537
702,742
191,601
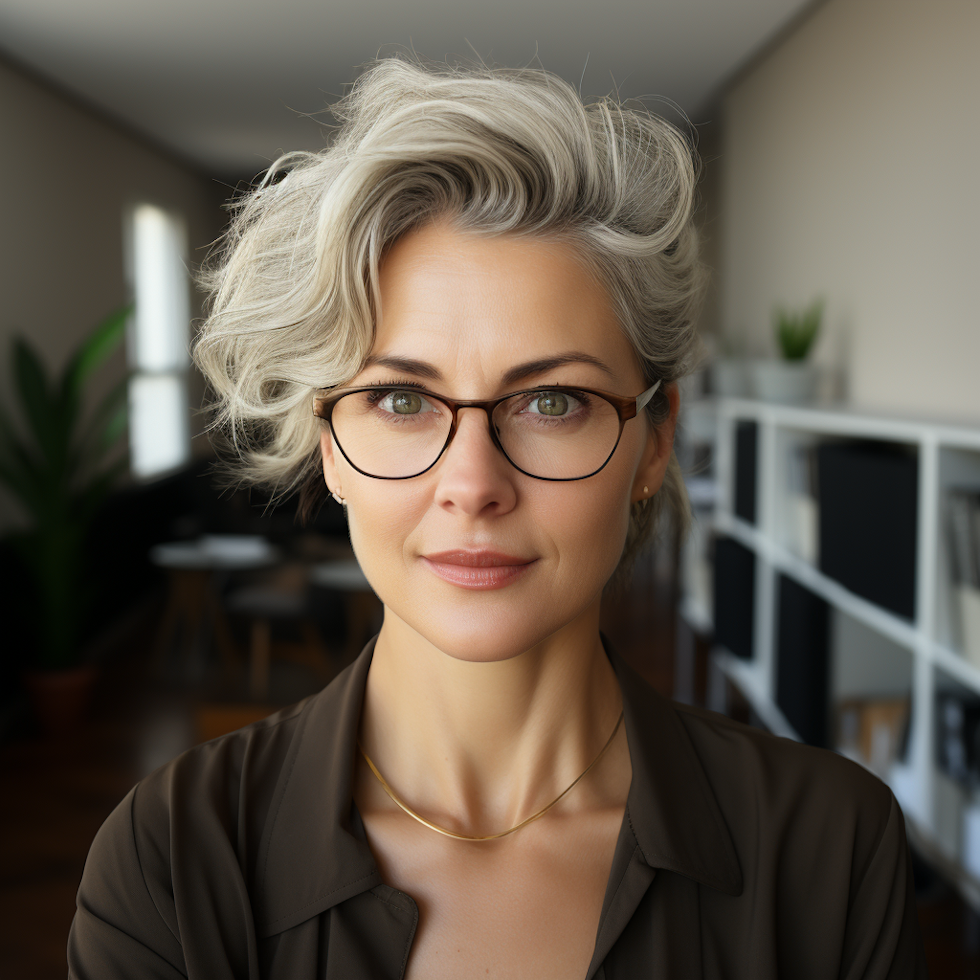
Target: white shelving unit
947,456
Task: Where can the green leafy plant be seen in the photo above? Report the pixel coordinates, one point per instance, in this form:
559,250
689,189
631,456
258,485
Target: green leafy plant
796,332
59,463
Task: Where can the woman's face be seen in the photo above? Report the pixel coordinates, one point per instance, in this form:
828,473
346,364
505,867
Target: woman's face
466,310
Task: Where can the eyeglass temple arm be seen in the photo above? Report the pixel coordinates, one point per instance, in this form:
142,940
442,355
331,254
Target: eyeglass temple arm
644,397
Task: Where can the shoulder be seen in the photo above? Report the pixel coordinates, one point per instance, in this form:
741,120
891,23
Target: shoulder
190,828
725,741
741,759
207,807
821,843
219,787
808,806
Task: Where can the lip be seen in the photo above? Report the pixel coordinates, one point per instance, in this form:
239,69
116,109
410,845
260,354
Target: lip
478,569
477,559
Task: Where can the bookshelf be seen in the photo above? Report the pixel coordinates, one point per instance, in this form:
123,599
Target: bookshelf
918,657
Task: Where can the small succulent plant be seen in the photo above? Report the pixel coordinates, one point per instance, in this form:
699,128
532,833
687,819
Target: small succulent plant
796,332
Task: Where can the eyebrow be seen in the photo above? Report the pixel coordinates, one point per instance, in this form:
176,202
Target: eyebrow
520,372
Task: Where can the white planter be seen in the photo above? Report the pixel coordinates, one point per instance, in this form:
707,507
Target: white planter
787,382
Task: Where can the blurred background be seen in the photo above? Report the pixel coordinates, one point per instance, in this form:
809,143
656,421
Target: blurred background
830,588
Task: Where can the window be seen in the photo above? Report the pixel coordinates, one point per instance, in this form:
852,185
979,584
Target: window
157,349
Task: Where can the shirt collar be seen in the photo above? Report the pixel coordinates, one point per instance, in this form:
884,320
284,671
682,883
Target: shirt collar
671,807
311,857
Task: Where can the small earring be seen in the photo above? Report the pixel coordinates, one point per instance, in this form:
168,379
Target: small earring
646,491
340,500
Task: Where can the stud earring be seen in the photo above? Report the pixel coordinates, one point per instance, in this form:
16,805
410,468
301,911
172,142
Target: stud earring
646,491
340,500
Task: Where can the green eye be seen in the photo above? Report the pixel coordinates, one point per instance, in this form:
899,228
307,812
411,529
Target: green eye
552,403
406,403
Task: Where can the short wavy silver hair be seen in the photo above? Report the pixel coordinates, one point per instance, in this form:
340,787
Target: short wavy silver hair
294,284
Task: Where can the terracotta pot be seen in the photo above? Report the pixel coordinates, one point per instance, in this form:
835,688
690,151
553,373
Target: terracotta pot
60,698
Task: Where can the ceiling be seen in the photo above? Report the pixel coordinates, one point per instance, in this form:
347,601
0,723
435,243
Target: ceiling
226,84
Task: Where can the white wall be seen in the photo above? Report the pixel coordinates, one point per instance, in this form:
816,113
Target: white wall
850,171
67,176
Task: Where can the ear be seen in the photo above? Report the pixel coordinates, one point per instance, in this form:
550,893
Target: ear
656,452
330,473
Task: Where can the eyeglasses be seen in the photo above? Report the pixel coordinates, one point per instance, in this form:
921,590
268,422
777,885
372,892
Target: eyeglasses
555,432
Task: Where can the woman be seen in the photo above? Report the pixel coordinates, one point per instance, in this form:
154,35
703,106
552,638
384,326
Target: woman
466,320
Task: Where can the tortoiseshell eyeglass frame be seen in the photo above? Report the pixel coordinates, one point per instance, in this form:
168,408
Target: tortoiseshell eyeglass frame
627,408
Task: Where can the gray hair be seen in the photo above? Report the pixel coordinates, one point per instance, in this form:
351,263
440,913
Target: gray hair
294,285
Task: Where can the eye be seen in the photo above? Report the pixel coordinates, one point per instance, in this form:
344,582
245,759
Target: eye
404,402
553,404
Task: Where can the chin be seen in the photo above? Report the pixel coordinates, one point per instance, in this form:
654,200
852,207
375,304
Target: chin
479,648
486,635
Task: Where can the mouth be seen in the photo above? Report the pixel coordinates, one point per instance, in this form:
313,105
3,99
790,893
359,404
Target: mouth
478,569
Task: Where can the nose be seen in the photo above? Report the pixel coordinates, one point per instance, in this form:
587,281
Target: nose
474,476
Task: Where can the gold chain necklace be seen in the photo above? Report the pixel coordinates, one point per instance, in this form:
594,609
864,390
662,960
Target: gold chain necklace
448,833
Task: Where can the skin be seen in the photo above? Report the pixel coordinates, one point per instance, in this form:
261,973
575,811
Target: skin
482,706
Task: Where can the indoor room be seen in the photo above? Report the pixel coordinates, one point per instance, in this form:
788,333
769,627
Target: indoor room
165,585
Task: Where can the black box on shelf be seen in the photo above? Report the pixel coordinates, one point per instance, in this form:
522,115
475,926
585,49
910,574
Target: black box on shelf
803,661
746,457
734,588
868,520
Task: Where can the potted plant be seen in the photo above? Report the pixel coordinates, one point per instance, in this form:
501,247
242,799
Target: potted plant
60,464
793,379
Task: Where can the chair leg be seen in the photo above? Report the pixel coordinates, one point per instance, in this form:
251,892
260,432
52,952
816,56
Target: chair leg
260,654
181,628
171,621
223,637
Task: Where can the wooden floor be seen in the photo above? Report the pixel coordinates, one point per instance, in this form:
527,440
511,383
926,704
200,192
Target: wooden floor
57,792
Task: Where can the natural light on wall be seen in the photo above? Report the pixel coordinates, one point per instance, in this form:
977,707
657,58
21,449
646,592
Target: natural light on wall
159,421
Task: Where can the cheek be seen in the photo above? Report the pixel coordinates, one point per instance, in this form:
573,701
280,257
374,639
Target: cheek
587,523
380,517
601,529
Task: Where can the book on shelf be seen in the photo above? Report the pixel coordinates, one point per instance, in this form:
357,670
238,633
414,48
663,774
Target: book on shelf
964,536
802,516
874,730
958,737
963,529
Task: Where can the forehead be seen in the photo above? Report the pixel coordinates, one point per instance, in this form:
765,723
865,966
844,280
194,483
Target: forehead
474,305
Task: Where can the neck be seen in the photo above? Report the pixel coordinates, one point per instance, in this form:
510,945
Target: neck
479,746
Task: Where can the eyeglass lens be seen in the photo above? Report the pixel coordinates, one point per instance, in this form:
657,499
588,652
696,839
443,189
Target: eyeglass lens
560,434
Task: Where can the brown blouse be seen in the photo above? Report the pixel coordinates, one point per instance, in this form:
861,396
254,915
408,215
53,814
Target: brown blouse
740,856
